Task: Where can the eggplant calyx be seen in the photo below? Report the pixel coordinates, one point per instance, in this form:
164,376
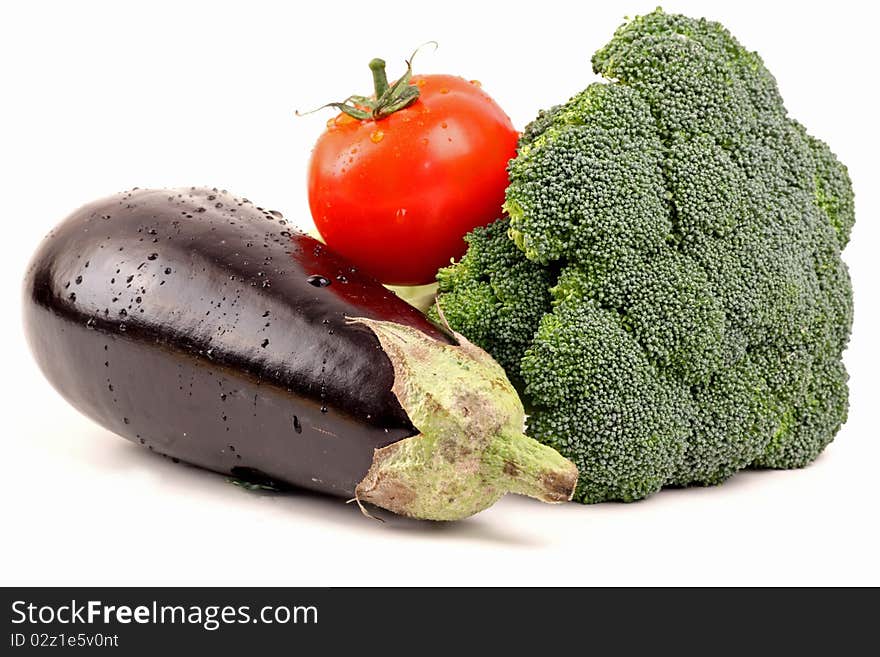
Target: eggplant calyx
470,450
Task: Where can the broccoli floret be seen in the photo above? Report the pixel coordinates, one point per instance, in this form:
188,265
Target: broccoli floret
596,397
832,188
494,295
590,186
736,414
668,289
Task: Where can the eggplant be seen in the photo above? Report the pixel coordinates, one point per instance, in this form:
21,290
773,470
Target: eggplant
206,329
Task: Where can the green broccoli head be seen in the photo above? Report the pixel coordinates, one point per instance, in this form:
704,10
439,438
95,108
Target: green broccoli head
671,294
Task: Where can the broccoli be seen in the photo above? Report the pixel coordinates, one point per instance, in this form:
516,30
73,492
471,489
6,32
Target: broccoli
667,289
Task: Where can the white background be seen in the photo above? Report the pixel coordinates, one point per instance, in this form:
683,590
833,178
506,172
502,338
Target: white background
100,97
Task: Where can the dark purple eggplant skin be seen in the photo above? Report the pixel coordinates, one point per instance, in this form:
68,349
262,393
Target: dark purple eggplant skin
206,329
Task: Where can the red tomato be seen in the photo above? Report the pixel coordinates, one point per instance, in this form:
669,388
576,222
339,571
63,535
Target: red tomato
396,195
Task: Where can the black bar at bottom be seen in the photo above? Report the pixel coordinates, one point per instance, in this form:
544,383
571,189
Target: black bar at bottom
243,621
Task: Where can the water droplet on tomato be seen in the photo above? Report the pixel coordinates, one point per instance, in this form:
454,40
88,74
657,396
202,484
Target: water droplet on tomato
444,90
476,83
377,136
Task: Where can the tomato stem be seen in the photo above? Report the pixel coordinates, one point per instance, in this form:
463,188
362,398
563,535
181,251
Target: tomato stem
380,79
388,98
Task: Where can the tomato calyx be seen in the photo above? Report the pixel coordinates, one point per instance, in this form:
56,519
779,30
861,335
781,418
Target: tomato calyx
386,99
